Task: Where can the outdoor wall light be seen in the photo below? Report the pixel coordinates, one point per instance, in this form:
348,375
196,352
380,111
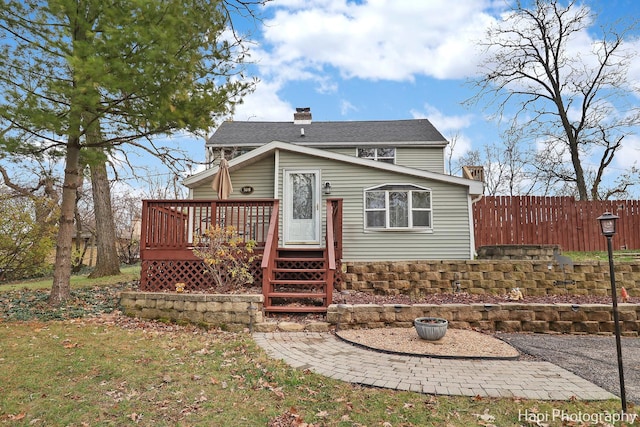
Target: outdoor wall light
326,188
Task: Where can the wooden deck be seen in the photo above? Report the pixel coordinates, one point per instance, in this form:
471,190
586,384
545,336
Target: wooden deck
171,229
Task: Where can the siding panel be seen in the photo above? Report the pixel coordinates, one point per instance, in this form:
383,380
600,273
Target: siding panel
426,159
450,238
258,175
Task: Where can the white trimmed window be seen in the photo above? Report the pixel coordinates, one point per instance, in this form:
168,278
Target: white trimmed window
386,154
397,206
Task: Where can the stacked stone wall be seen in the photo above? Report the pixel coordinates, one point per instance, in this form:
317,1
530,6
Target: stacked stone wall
239,312
509,317
229,312
497,277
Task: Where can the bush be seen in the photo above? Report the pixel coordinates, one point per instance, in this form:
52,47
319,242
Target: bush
227,257
25,243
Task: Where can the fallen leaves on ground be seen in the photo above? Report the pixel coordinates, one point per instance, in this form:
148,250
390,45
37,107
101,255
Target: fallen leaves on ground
28,304
290,418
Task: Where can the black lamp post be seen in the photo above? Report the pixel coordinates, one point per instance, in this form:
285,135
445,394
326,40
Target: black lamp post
608,227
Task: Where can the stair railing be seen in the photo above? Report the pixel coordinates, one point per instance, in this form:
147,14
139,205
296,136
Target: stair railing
270,252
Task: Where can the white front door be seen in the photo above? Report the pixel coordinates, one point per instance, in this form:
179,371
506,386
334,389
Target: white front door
301,223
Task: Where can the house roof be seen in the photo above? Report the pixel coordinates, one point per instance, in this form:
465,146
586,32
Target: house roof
398,132
206,176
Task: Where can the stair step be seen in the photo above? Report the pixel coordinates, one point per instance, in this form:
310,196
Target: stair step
293,266
301,250
296,295
298,282
300,259
295,309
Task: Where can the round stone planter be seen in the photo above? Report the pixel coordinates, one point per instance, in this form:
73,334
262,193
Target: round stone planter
430,328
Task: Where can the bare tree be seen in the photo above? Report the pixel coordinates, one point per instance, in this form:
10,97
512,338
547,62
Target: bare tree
576,105
506,170
127,215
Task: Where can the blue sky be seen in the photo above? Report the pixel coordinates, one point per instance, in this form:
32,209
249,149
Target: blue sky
386,60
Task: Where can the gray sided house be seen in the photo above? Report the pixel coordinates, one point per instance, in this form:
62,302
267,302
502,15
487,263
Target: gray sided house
398,203
313,195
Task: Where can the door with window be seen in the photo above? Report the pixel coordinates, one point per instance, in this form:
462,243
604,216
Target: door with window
301,223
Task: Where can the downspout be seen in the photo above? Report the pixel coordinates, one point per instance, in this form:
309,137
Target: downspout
276,178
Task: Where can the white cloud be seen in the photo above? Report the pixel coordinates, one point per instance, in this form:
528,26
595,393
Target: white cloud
450,127
346,106
264,105
442,122
377,39
629,153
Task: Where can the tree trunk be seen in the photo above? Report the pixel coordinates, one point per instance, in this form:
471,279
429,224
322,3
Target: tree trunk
61,287
107,261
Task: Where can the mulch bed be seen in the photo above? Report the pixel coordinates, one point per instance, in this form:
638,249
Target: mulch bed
352,297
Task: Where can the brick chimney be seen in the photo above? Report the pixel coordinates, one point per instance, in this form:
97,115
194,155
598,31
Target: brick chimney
302,116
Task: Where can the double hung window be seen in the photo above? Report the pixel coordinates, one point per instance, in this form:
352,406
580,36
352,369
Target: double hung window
386,154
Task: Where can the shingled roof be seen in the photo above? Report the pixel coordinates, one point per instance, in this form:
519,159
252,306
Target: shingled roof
398,132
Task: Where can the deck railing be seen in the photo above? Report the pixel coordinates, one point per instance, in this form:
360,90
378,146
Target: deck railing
178,224
171,228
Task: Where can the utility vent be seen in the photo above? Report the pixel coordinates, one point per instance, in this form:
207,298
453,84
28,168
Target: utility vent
302,116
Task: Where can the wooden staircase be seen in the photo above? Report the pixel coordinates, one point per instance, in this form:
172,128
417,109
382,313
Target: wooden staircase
301,281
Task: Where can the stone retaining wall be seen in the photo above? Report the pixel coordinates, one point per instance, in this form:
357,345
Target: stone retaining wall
237,312
518,252
508,317
229,312
498,277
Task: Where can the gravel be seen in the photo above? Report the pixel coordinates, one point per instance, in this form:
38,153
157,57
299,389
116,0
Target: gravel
455,343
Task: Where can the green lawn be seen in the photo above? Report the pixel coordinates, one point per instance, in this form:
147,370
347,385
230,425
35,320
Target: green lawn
127,274
626,255
114,371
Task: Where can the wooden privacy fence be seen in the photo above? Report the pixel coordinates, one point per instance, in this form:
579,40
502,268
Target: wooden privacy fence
572,224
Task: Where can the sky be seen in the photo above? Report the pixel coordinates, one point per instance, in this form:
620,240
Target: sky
388,60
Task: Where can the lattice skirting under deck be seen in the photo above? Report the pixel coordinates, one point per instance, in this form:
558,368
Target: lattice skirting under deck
162,275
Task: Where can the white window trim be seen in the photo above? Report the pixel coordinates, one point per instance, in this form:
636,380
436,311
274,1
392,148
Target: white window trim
409,188
375,155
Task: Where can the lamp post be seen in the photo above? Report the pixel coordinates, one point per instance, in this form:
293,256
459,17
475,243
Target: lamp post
608,227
